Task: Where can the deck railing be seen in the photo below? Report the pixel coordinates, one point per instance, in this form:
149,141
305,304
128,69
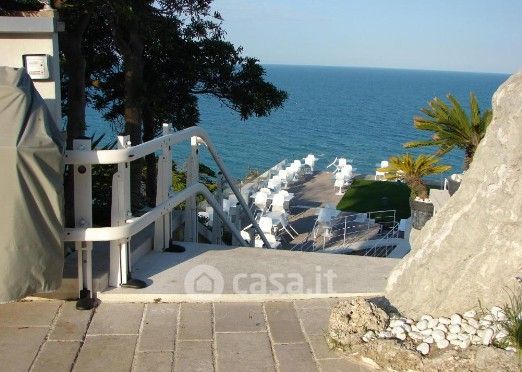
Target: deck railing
123,224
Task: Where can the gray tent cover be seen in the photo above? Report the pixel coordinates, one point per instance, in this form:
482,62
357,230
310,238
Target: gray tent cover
31,190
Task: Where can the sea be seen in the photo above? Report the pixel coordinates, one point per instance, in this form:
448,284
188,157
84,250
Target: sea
363,114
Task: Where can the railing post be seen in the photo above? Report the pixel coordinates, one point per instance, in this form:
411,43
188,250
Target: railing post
83,219
120,212
217,224
191,214
162,226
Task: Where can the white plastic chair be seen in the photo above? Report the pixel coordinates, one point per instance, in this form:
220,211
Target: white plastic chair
287,227
266,225
310,162
261,202
380,175
274,243
278,203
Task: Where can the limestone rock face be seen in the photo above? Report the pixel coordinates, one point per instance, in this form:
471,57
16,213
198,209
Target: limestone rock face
471,249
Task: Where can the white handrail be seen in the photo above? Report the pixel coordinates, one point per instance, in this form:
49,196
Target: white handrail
139,151
135,225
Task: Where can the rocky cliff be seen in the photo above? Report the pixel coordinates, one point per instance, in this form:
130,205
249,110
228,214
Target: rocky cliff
471,250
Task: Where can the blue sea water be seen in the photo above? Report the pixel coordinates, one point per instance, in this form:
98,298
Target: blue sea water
364,114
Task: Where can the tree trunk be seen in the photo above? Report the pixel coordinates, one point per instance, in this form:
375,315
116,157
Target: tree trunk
150,160
468,157
74,68
418,187
131,45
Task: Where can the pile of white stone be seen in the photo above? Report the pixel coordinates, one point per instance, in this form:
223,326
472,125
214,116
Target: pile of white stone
460,331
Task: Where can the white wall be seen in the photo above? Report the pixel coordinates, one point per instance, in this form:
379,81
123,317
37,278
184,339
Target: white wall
34,35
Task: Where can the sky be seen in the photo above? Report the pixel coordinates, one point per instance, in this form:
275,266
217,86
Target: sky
454,35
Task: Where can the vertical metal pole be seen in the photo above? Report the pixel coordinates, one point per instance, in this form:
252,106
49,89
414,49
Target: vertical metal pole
217,229
83,218
162,226
125,208
191,232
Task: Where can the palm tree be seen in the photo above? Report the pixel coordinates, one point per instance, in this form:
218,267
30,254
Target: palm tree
411,170
452,127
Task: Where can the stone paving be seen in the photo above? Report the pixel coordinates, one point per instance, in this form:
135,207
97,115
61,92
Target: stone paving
239,336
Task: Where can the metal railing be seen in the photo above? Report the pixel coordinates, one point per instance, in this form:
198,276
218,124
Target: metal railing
123,224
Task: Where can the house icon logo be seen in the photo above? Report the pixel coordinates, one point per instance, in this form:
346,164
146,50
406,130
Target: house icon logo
204,280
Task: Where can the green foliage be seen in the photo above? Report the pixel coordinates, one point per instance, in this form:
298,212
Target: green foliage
412,170
513,322
367,196
451,126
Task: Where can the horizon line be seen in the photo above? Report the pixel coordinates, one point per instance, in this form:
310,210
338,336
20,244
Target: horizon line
390,68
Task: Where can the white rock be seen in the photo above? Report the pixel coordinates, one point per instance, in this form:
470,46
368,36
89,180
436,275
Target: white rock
488,336
454,328
409,321
423,348
465,343
510,348
407,327
432,323
468,328
476,340
445,321
455,342
426,317
488,317
438,335
401,336
484,323
498,313
473,322
470,314
397,330
426,332
452,336
456,319
396,323
480,332
500,335
385,334
422,325
429,340
414,328
463,336
415,335
442,327
368,336
442,344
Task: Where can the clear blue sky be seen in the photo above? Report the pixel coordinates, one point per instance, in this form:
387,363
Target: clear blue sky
457,35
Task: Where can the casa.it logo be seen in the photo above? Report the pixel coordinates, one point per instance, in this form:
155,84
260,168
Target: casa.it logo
204,280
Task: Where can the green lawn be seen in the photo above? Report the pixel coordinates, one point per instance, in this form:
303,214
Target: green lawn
367,196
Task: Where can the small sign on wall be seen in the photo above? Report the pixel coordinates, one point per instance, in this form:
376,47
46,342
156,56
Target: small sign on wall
37,66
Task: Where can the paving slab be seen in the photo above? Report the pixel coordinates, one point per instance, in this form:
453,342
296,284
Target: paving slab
244,352
159,327
283,323
71,323
28,314
19,346
56,356
195,322
153,362
194,356
341,365
295,357
124,318
313,303
239,317
314,320
106,353
321,348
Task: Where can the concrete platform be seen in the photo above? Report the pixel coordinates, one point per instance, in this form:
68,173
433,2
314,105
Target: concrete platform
217,273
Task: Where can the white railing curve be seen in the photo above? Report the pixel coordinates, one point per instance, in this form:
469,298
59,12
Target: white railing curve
123,224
